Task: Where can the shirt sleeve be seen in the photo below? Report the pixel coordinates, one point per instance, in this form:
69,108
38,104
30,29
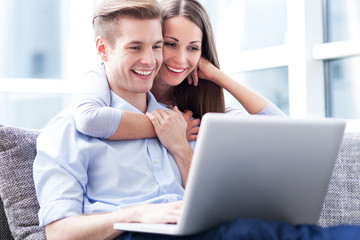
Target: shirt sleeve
60,173
271,110
92,112
236,111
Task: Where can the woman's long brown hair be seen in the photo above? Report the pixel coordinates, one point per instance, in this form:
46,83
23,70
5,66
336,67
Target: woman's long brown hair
207,96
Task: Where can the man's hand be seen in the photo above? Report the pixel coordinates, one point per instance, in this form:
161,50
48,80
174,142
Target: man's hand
100,226
156,213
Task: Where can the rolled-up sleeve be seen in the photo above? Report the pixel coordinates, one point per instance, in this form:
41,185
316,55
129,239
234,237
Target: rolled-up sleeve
92,97
60,171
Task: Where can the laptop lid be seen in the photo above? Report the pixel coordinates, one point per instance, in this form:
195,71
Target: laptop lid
263,167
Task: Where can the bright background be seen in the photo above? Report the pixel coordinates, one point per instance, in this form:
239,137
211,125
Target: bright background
303,55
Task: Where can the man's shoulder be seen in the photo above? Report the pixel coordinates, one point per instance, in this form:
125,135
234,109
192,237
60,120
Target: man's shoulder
61,120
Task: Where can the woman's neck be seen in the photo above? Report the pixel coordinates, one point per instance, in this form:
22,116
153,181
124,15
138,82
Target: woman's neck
163,92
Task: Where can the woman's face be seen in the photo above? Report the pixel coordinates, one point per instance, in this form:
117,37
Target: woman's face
181,50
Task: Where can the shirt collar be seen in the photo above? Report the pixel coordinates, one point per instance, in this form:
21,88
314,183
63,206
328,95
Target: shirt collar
119,103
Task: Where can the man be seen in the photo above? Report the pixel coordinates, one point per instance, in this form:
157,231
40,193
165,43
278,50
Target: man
84,184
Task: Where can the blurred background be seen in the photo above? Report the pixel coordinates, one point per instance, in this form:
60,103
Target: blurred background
303,55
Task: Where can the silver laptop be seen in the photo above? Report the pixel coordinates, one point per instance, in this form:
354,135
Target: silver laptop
264,168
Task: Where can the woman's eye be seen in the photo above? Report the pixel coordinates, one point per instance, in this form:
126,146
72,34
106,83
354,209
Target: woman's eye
169,44
193,48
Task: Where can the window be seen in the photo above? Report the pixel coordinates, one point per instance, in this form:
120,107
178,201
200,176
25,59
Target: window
342,22
315,41
42,57
250,38
302,55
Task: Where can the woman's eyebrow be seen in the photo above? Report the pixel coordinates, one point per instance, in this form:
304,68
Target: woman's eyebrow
197,41
177,40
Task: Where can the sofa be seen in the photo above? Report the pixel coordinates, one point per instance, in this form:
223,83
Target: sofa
19,207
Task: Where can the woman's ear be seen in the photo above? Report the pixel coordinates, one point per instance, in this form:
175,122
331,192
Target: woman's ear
101,49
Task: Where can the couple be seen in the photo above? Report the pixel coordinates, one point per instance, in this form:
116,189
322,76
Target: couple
85,181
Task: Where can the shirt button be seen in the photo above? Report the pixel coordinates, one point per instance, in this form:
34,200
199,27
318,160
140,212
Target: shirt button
172,198
164,190
156,160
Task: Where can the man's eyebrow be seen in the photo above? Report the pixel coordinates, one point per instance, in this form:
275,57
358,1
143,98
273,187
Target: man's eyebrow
160,41
135,42
177,40
141,42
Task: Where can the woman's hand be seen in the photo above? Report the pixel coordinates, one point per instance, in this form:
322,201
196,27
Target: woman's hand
205,70
170,127
193,126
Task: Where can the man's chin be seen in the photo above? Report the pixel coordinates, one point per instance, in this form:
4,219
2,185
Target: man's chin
145,89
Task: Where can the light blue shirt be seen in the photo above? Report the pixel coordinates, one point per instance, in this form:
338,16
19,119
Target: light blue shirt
76,174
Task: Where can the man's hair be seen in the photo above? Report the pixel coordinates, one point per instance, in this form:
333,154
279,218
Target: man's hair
107,13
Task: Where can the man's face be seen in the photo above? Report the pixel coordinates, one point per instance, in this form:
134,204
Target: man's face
136,56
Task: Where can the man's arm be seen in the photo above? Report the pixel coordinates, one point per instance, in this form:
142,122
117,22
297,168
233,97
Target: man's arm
100,226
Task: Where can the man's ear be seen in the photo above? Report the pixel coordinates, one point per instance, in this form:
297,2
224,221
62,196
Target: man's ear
101,49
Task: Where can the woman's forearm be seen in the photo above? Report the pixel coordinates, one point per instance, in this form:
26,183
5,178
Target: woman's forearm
133,126
250,100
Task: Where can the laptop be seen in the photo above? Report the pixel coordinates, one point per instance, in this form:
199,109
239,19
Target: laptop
266,168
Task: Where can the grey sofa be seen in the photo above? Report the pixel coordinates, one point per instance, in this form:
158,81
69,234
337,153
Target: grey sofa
19,207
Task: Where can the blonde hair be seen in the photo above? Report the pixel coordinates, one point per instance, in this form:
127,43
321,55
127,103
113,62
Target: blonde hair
107,13
207,96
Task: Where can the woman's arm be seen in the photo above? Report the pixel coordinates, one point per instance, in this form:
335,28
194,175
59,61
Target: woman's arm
250,100
100,226
170,127
94,116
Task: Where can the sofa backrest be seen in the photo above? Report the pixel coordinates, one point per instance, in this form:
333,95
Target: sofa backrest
4,226
17,192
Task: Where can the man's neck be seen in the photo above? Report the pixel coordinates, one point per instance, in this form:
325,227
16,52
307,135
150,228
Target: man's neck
138,100
162,92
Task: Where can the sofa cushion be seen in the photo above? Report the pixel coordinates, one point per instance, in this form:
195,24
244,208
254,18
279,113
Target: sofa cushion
342,202
17,153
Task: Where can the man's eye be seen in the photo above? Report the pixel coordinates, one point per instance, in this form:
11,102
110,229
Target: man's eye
135,48
157,47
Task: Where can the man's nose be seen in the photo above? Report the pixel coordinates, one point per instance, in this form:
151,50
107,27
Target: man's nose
148,57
